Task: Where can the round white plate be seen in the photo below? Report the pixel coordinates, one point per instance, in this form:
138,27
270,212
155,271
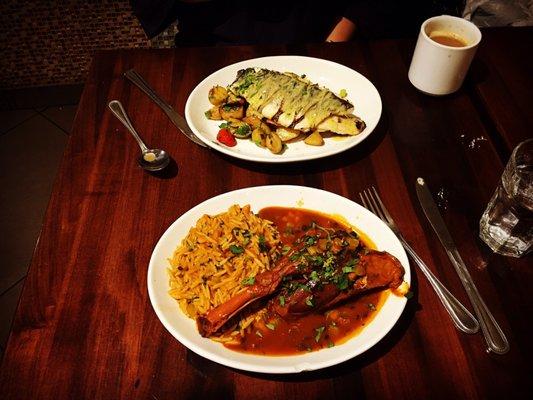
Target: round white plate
184,328
361,93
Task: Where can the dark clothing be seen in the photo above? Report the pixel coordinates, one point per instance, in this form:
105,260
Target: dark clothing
154,15
397,18
247,22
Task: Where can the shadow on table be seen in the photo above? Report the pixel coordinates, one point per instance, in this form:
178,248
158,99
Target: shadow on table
207,368
170,171
340,160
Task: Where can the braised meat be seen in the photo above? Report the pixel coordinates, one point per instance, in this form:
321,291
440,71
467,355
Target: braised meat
323,268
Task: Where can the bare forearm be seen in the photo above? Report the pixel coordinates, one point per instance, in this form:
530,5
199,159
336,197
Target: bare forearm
342,32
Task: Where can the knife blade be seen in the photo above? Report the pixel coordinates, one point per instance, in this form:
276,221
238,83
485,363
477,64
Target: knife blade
494,336
176,118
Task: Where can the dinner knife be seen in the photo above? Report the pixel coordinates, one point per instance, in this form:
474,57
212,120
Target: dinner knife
176,118
494,336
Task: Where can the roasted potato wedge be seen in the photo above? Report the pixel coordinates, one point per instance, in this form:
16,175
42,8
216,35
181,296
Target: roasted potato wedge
240,129
314,139
217,95
230,111
259,137
213,113
253,121
274,143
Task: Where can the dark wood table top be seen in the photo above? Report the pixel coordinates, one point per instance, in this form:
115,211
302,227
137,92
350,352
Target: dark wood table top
85,328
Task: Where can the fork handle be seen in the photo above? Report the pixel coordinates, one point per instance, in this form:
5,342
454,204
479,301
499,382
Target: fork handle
461,317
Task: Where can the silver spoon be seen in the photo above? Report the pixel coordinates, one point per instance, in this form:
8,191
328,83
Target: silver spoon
150,159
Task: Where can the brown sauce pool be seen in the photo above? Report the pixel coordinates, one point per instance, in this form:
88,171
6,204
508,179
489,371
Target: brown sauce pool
297,335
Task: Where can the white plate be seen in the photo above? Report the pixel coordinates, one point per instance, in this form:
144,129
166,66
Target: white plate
184,328
361,93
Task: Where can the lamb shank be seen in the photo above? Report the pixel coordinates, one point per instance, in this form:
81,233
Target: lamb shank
324,268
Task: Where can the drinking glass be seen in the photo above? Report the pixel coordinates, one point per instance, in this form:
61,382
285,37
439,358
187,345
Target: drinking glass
507,224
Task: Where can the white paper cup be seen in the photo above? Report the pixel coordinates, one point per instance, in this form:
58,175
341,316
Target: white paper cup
437,69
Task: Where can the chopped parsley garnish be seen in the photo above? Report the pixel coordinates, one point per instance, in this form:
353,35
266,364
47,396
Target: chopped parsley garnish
309,301
343,93
285,249
319,331
329,261
343,282
294,256
281,301
331,344
208,114
262,244
329,271
270,326
224,125
409,295
314,276
248,281
258,333
304,287
351,263
248,80
236,249
243,131
244,233
310,240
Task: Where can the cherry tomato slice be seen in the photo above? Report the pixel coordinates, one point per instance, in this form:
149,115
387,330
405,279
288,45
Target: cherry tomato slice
226,137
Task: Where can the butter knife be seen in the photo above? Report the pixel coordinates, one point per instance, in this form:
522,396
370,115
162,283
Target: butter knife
494,336
176,118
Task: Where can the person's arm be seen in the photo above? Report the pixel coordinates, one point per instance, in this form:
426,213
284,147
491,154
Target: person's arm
342,32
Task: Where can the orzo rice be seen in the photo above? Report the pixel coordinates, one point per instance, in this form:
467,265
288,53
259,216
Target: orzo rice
217,255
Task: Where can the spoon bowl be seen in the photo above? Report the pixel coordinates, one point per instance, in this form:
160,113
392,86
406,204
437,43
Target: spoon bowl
150,159
153,159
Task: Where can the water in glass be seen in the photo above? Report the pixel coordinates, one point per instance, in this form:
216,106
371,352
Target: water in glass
507,224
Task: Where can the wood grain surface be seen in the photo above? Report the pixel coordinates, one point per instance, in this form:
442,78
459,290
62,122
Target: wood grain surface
85,328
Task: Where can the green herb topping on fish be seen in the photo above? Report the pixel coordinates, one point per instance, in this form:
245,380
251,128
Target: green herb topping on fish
290,101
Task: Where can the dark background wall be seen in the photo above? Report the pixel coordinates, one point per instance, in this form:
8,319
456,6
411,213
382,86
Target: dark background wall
51,42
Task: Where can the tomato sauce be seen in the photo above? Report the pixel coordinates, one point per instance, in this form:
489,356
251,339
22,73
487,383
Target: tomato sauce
274,335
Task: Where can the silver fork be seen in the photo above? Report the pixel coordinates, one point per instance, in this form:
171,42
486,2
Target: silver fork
461,317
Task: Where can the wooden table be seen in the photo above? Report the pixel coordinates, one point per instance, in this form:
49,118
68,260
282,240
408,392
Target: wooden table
85,328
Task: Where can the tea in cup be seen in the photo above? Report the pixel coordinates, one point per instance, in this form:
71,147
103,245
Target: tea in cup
445,48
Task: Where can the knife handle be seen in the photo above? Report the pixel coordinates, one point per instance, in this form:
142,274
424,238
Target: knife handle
139,81
494,336
461,317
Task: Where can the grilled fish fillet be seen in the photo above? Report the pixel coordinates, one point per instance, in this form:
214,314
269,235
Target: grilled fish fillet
289,101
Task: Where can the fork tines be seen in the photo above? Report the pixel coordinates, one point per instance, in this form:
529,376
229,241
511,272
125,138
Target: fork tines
369,201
